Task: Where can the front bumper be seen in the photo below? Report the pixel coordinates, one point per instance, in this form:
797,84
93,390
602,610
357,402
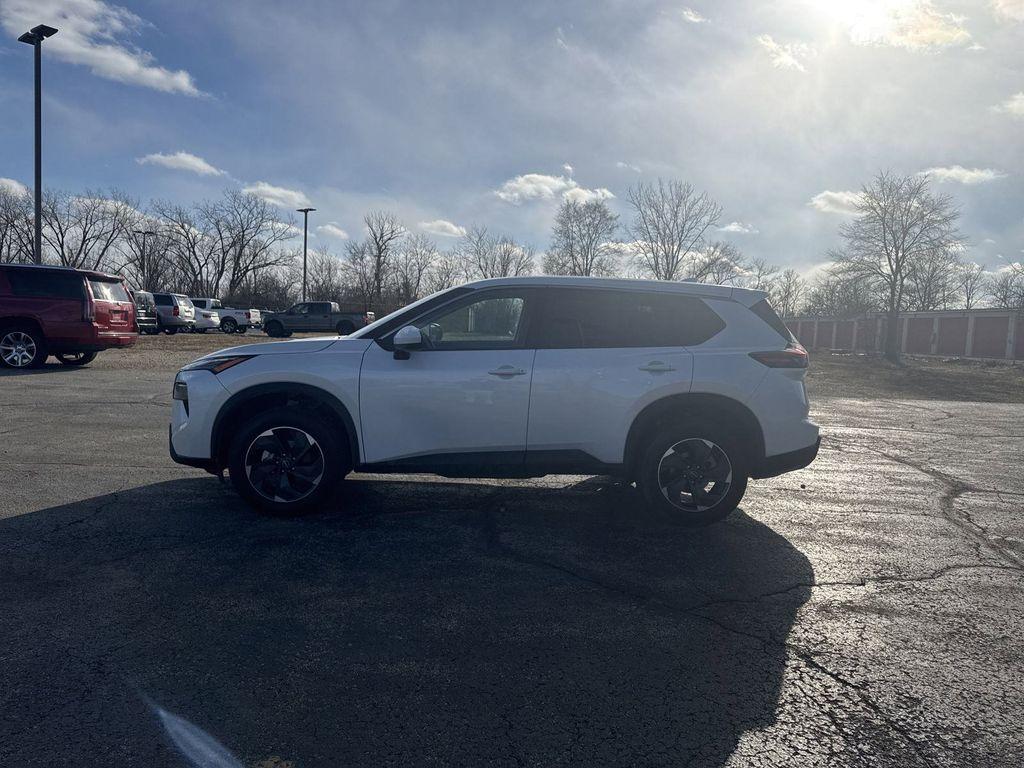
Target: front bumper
781,463
208,464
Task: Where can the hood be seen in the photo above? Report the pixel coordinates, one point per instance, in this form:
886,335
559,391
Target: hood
295,346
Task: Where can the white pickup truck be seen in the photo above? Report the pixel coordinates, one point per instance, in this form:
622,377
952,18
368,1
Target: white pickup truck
231,320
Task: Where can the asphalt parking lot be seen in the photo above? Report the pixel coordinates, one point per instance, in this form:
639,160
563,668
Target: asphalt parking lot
863,611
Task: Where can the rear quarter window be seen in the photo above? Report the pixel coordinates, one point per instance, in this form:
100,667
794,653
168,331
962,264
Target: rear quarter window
33,283
766,312
163,300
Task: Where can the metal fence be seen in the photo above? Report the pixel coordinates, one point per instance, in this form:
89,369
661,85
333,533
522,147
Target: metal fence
989,334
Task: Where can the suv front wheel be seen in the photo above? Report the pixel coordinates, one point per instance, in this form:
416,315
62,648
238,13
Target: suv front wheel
693,473
286,461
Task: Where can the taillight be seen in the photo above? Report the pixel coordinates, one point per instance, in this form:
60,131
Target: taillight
793,356
175,311
89,308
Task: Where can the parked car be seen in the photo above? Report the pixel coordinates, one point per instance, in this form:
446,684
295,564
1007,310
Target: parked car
206,320
145,311
174,312
68,313
231,320
687,389
315,316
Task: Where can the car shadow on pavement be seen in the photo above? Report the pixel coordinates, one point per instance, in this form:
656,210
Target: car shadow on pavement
443,622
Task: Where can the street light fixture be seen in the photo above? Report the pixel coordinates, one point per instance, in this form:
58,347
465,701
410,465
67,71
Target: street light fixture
305,240
35,37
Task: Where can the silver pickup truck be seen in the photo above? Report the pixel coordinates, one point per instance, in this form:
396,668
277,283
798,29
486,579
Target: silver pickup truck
315,316
231,320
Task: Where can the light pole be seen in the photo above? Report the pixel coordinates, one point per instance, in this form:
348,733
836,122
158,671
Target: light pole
305,240
35,37
145,266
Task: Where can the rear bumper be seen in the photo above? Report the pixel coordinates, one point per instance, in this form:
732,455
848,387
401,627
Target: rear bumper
95,340
787,462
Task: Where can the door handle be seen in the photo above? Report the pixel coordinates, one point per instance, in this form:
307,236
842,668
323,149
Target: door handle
507,371
656,366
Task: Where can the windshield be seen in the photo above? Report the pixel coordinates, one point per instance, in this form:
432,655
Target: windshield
399,317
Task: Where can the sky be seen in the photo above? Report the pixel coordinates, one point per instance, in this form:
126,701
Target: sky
457,112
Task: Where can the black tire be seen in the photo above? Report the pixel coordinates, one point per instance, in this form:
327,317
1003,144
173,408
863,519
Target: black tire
241,329
170,330
274,329
76,358
198,330
701,464
279,432
345,327
229,325
22,347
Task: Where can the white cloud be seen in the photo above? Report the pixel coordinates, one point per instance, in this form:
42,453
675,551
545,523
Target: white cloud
739,228
279,196
844,202
181,161
334,230
1013,105
963,175
627,167
568,169
1013,10
541,186
911,24
583,195
13,185
693,16
442,228
92,34
785,56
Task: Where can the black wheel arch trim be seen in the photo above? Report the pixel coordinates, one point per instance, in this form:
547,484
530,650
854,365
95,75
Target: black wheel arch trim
704,405
217,439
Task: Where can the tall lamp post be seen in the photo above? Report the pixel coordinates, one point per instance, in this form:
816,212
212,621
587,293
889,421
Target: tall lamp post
35,37
305,241
144,233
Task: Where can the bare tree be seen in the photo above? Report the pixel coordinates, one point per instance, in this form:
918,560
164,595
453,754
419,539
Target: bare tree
83,230
16,231
970,281
899,222
838,294
933,281
325,276
146,261
1006,288
248,233
721,263
669,223
789,293
761,276
373,258
192,247
485,256
414,260
445,272
583,240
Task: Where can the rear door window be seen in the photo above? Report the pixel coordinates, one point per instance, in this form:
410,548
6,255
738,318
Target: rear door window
594,319
40,283
106,290
163,300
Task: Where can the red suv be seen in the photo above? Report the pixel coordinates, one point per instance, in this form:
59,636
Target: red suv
69,313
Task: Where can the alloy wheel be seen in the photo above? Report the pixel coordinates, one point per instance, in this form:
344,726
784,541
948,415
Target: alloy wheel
284,464
694,474
18,349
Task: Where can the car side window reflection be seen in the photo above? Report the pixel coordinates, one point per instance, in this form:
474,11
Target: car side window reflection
488,323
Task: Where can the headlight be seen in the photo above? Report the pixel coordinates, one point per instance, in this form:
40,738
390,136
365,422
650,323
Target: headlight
216,364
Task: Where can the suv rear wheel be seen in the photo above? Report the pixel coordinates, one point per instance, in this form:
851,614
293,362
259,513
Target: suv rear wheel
693,473
22,346
286,461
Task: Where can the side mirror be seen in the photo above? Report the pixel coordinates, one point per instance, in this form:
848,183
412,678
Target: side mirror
407,338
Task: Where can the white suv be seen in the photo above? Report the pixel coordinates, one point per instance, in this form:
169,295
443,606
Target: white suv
687,389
